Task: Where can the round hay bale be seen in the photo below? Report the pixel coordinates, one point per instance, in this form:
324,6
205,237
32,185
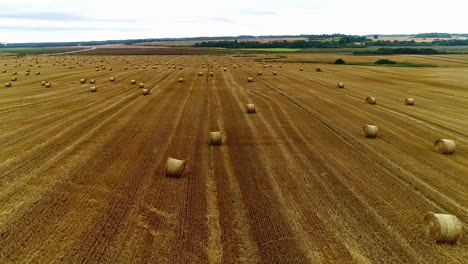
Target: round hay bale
174,167
215,138
3,71
371,100
181,68
211,74
200,73
225,69
250,108
136,67
43,83
181,80
340,85
281,66
38,73
443,227
370,131
14,73
444,146
146,91
275,73
125,68
301,69
8,84
14,79
249,79
264,66
82,80
318,70
141,85
154,67
92,81
47,85
97,69
133,82
259,73
110,69
93,89
112,79
409,101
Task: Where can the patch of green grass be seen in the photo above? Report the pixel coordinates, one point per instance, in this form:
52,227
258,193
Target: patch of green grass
31,51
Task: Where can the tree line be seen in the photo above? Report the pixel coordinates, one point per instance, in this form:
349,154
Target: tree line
343,42
297,44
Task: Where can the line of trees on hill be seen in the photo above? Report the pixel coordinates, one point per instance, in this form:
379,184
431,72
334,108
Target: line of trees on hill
433,35
297,44
344,42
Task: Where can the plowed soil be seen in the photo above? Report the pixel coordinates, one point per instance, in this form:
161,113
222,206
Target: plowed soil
82,174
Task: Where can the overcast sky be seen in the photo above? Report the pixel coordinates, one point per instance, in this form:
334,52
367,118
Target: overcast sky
80,20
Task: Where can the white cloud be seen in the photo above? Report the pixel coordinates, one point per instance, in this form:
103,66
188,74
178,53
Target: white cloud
73,20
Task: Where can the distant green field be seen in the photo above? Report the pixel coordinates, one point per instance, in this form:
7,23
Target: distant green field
33,51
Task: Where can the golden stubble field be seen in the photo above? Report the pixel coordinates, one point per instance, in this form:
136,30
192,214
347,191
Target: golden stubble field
82,173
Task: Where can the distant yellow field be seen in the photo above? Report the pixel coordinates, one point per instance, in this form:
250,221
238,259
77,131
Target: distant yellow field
5,53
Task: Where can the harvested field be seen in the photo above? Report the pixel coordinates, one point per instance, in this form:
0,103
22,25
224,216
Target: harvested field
82,174
436,60
5,54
